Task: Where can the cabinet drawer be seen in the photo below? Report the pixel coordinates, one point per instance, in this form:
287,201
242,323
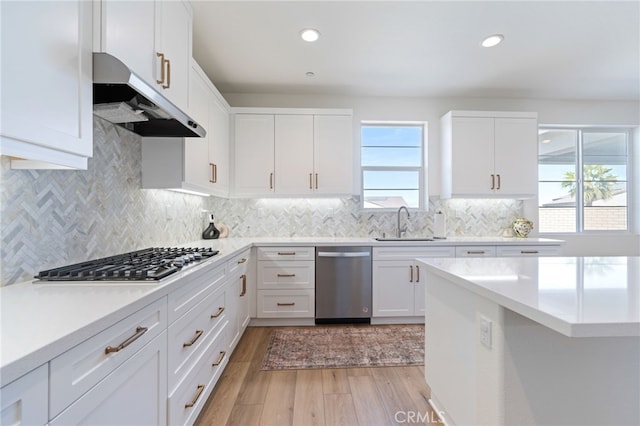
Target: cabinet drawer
194,290
24,401
475,251
528,251
187,400
238,264
286,274
192,332
286,253
76,371
286,303
412,252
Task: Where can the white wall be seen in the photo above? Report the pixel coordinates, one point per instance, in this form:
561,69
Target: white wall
550,112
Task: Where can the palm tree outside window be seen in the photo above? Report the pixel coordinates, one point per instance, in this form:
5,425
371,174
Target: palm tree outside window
586,164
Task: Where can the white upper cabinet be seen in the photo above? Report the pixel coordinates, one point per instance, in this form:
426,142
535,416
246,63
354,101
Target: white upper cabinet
254,154
293,152
193,164
153,38
47,112
489,154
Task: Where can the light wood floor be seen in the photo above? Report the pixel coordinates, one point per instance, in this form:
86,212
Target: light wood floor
246,395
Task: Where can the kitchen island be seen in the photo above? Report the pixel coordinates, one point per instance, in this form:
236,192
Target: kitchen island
533,341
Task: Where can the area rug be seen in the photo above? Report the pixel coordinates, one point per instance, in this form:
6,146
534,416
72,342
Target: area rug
345,346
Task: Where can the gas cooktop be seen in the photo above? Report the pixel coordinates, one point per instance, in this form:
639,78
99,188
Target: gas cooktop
149,264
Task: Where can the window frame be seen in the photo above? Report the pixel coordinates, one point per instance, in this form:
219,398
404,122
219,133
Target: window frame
422,181
579,166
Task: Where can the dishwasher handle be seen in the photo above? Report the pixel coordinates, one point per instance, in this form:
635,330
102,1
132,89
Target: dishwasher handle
344,254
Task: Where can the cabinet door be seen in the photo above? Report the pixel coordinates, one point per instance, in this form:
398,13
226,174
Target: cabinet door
516,156
127,31
196,150
294,154
393,293
254,154
135,393
218,132
46,82
25,401
472,156
333,154
173,39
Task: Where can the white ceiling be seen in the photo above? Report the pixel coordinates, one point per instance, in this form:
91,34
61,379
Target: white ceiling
553,49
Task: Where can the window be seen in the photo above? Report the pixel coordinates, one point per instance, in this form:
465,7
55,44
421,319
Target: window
392,165
587,164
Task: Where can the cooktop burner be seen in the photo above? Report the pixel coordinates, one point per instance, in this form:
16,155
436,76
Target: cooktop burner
149,264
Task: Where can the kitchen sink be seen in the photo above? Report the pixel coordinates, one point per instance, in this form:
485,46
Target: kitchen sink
404,239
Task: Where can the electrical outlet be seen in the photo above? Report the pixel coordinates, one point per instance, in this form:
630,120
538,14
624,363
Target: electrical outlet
485,332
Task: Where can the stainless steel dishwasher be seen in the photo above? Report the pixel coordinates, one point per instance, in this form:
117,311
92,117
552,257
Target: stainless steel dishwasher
343,285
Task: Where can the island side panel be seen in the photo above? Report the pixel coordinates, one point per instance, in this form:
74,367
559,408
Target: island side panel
553,379
465,377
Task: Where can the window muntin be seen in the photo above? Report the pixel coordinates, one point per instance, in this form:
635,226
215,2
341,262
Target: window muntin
590,165
392,165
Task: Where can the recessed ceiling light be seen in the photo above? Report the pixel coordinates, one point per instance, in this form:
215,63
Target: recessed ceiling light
310,35
492,40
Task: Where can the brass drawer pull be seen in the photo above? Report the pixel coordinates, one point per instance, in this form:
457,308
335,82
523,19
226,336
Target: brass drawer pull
217,314
213,173
475,251
195,398
139,332
168,85
410,273
286,304
529,251
218,361
244,285
242,260
493,182
286,275
316,181
270,180
417,274
162,76
196,337
286,253
498,182
310,181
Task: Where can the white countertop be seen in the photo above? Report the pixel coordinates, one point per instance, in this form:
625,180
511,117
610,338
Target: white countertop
39,321
575,296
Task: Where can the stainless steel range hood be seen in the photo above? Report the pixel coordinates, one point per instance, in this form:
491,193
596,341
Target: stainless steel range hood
123,98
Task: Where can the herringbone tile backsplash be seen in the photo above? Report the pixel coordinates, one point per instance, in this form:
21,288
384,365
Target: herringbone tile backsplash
50,218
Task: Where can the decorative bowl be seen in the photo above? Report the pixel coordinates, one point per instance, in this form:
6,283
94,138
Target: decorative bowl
522,227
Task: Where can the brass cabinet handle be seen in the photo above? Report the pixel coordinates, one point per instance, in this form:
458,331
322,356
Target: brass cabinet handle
242,260
286,304
286,253
316,181
310,181
213,173
168,85
244,285
286,275
195,398
270,180
498,181
475,251
218,361
162,75
139,332
529,251
217,314
411,273
493,182
417,274
196,337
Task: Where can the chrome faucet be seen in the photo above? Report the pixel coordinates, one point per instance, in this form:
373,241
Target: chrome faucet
404,228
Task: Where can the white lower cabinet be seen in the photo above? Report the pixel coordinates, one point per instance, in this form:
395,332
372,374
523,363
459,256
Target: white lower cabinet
398,290
24,401
286,282
135,393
